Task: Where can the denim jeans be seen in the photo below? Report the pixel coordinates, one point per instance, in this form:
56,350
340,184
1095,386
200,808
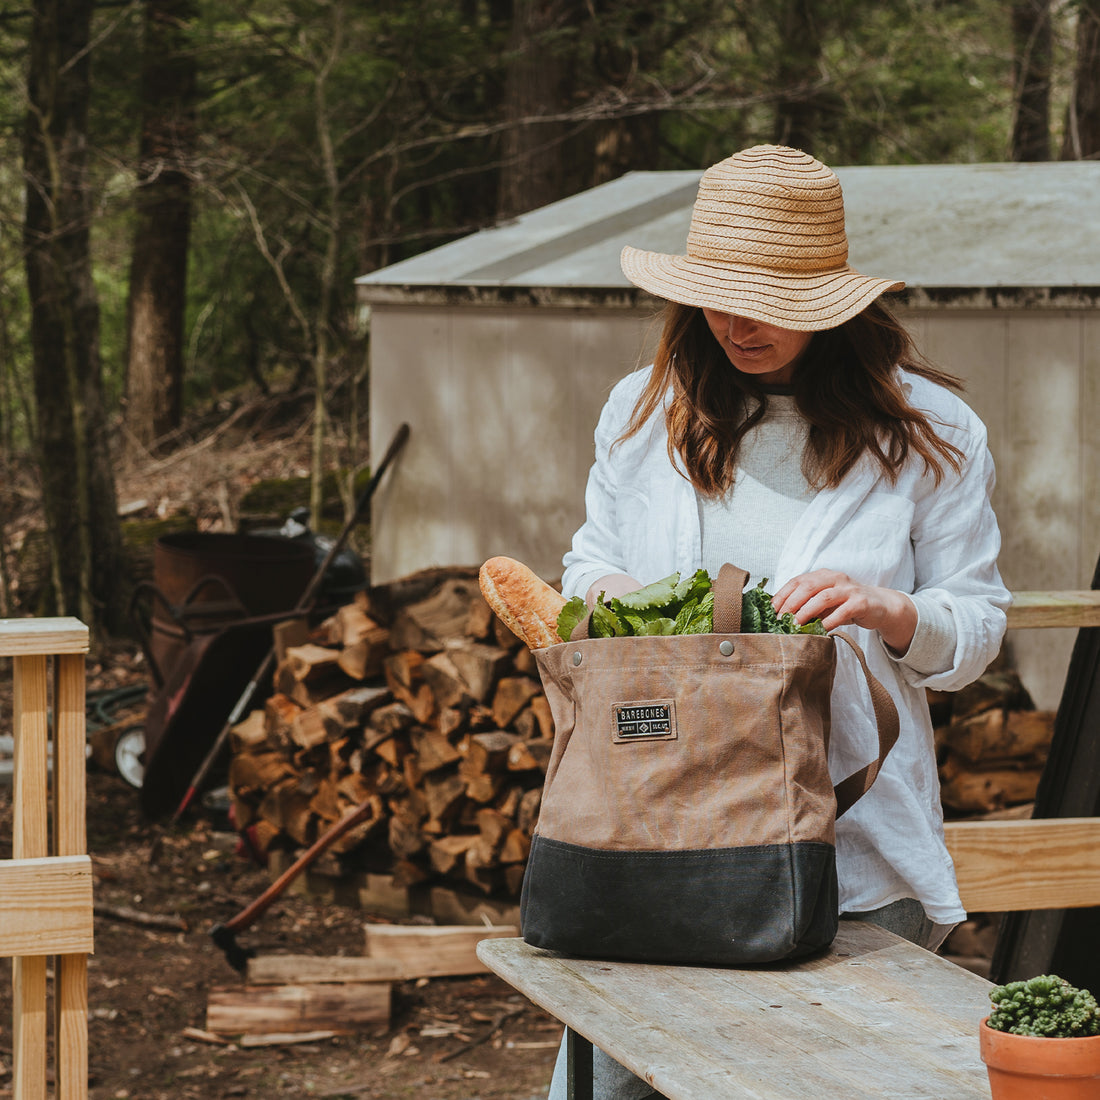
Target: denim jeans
611,1081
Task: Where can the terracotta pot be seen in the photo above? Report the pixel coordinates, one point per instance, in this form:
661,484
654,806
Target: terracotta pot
1023,1067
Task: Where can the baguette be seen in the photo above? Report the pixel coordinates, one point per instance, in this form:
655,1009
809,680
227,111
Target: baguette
523,601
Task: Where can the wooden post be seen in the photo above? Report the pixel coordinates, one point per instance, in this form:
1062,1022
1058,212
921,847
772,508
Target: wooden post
46,896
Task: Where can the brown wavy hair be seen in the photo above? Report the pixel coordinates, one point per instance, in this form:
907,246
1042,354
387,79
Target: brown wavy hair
846,386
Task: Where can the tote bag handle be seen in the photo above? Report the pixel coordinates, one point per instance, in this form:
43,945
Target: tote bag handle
728,589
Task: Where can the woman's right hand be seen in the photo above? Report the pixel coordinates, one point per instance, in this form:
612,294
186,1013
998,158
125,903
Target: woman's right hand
614,584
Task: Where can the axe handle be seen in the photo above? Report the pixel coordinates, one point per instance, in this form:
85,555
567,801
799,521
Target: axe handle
255,909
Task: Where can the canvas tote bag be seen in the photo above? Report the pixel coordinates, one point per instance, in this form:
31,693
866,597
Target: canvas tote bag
687,812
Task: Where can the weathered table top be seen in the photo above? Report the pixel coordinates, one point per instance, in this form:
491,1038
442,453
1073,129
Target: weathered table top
875,1017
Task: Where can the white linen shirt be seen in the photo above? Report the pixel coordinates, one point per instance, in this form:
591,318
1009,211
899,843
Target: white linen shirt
940,541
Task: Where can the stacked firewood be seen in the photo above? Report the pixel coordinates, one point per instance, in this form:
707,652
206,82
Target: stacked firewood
991,745
431,712
418,702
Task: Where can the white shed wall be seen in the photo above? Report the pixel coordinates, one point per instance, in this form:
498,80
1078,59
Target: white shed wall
502,403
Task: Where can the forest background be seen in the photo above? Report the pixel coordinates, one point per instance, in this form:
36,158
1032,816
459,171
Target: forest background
191,187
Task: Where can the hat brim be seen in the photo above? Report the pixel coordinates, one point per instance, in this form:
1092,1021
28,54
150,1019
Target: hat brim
803,303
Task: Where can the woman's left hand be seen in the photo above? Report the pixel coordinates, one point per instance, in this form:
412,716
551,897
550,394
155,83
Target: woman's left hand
840,601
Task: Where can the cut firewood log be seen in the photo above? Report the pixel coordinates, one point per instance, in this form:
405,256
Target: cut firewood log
448,853
314,969
279,712
433,951
997,734
426,625
524,664
362,659
310,661
287,806
974,790
540,707
433,750
487,753
528,814
480,666
530,755
995,688
342,1008
516,847
250,734
482,872
512,694
479,620
289,632
308,727
253,772
389,719
453,720
402,670
352,708
406,839
443,792
448,686
508,801
493,828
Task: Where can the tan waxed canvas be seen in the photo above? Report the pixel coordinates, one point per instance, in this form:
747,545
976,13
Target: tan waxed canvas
757,716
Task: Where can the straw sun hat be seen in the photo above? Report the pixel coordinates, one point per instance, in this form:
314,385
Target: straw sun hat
767,242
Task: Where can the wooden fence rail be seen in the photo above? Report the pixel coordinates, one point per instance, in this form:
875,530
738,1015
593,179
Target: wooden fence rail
1032,864
46,887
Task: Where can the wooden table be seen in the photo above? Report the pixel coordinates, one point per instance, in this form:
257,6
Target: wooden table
874,1017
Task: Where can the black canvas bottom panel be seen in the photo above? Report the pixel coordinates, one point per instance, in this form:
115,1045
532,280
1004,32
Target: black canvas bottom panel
725,907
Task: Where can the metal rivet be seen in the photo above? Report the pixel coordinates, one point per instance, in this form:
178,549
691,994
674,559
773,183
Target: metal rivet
577,658
725,647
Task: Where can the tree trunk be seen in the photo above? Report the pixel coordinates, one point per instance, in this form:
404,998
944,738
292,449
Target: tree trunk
797,111
1082,137
1031,35
158,265
78,487
537,84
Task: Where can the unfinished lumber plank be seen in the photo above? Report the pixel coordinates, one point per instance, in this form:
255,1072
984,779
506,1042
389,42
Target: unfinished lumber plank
433,951
316,969
1008,865
306,1006
1054,609
46,906
20,637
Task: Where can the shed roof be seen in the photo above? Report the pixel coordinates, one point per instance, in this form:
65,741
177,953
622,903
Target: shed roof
948,229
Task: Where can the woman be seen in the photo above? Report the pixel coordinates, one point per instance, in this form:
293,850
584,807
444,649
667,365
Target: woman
788,426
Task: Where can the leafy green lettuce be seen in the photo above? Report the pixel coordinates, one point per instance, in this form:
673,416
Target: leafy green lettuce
675,606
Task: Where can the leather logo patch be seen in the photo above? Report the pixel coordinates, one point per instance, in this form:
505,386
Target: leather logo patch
648,721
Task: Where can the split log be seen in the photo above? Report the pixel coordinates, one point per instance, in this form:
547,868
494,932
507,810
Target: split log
432,951
343,1008
972,790
999,734
426,625
314,969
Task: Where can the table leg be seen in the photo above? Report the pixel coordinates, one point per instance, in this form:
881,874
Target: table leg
578,1052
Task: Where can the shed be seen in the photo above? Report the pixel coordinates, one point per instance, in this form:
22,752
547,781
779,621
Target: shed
498,350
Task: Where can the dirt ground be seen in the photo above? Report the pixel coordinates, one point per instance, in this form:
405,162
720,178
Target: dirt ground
469,1038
